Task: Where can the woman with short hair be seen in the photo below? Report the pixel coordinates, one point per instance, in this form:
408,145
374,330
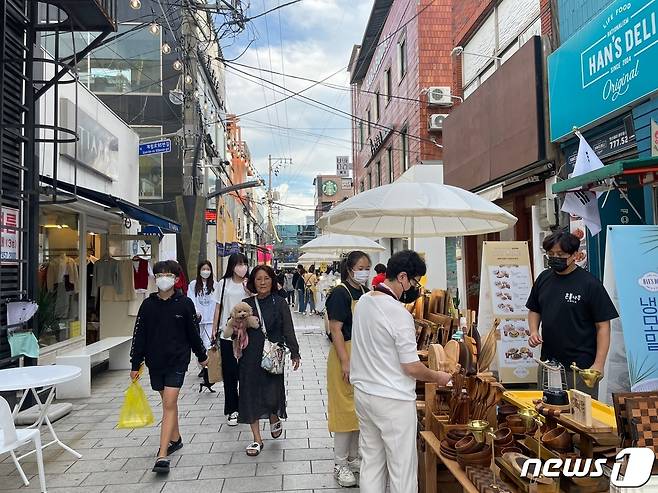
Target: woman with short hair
263,394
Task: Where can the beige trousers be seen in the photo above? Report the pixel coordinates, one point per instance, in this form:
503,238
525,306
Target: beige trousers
387,444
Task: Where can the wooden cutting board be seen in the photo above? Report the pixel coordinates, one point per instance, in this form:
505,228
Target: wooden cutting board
619,403
482,478
642,415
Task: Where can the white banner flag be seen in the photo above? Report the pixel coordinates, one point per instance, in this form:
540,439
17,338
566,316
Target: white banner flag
584,203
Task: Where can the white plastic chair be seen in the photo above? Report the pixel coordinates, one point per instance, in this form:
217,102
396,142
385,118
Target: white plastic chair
11,439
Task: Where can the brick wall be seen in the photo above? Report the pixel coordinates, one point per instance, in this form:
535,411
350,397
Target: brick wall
428,44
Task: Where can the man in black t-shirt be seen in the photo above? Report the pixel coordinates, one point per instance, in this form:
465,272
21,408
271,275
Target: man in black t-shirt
574,310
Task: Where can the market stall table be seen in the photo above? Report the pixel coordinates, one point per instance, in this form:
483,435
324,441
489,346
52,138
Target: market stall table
602,414
29,379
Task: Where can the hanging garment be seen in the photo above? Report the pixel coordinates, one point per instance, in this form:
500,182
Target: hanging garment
106,273
19,312
141,273
126,291
62,269
23,344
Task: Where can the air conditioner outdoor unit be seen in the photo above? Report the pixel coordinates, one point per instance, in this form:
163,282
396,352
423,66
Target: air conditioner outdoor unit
548,216
439,95
436,121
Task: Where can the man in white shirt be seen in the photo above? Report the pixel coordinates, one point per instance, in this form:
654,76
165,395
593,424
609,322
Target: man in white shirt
384,367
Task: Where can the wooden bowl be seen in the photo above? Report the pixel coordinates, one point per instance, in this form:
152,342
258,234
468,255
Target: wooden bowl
503,435
558,439
468,445
509,449
485,453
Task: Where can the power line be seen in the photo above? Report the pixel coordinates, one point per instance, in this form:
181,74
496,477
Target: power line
332,109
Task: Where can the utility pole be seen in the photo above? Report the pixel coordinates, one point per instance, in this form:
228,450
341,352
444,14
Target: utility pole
273,166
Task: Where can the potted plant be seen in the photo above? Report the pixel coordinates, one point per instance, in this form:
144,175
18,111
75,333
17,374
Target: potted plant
46,321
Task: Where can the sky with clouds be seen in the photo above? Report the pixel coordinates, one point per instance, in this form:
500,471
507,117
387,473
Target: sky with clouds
311,39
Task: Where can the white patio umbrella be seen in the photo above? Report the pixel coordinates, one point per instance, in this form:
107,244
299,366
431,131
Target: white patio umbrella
339,244
406,209
310,258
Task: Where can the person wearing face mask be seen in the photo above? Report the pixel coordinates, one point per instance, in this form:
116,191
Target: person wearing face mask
573,308
384,368
202,292
230,291
166,331
355,273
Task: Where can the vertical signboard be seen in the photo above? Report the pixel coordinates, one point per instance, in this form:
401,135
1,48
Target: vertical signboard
10,246
632,282
343,166
505,284
654,138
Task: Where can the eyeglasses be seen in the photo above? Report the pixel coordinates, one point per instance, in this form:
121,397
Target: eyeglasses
164,274
415,283
557,255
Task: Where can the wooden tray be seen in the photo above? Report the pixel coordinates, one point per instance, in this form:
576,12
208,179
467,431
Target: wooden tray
523,485
524,398
596,428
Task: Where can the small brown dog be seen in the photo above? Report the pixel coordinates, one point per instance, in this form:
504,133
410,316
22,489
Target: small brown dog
242,317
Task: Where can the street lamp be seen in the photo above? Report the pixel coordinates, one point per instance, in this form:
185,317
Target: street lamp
135,4
459,50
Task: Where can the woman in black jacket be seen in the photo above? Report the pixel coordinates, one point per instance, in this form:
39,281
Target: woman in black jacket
262,394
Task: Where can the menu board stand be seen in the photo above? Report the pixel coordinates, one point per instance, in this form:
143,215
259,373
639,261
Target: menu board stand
505,284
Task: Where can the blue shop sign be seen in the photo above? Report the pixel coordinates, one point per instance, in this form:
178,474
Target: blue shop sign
157,147
606,66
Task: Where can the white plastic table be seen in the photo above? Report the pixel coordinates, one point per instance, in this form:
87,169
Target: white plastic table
30,378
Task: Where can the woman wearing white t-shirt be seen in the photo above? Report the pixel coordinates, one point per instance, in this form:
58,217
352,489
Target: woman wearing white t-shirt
230,292
202,292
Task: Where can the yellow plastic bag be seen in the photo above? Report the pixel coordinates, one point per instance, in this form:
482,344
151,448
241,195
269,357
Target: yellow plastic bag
135,412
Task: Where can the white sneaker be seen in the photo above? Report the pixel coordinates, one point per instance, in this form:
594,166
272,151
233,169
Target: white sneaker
232,419
354,465
344,476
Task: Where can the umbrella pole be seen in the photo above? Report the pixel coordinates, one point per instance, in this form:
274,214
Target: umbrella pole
411,240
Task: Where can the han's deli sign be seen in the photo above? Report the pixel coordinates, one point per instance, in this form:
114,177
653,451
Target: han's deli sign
604,67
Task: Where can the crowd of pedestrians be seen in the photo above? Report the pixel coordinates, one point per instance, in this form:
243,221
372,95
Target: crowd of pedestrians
372,365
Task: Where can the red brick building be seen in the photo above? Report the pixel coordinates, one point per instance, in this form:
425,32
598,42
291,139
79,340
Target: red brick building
405,51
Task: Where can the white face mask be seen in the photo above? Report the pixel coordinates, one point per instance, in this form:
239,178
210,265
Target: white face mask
240,270
361,276
205,274
165,283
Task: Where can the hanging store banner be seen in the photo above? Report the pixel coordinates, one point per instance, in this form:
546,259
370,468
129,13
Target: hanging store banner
220,249
654,138
505,284
10,237
97,147
632,282
604,67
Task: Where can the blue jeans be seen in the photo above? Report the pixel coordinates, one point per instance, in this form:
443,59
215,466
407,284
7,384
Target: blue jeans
301,300
310,300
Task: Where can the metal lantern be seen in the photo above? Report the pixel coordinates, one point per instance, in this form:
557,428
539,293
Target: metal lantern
553,383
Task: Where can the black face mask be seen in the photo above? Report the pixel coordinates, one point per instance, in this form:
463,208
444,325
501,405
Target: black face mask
558,264
410,295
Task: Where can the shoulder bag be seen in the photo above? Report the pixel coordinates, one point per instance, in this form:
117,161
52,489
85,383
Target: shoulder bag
273,353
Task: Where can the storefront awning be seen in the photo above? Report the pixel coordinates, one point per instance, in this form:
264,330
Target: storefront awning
131,210
633,172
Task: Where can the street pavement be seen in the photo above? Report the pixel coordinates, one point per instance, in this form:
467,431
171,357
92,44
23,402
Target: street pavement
213,458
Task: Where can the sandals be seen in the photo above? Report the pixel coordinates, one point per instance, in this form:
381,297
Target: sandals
276,429
254,449
162,466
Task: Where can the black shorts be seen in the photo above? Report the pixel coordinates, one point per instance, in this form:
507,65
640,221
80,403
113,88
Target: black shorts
169,378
